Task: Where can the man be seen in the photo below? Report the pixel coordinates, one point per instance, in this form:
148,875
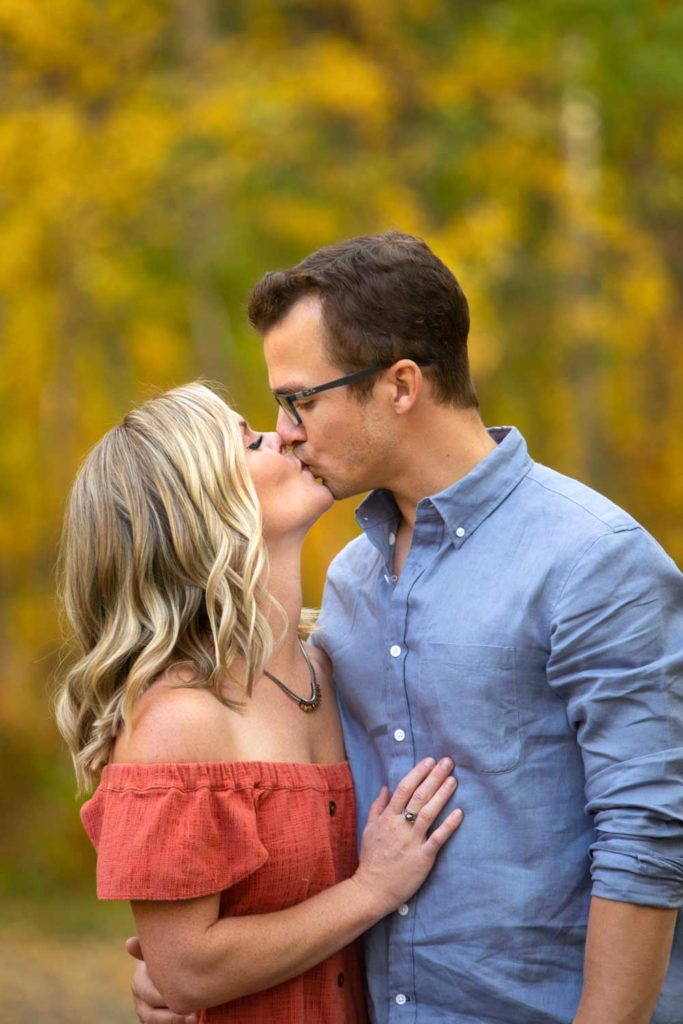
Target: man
508,616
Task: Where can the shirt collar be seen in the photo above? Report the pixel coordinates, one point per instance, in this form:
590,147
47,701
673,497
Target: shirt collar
468,502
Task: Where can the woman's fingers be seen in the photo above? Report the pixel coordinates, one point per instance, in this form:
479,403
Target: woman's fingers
409,784
431,809
378,804
431,785
397,850
445,830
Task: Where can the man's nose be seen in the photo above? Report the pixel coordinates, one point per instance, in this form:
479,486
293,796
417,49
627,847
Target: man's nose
290,433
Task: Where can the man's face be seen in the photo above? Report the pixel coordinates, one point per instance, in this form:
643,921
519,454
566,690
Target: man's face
343,441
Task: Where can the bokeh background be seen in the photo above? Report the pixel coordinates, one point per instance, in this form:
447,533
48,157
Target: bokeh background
157,156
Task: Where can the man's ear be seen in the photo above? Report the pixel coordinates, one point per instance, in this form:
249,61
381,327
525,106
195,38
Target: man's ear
406,381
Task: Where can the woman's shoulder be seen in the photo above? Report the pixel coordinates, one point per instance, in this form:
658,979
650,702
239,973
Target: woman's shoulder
170,796
172,723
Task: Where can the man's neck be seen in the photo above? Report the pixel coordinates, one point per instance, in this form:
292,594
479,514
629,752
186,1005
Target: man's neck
455,443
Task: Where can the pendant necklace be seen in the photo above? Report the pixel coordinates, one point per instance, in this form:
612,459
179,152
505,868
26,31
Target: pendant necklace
306,704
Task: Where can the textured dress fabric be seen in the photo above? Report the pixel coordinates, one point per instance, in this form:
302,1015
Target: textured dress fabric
264,835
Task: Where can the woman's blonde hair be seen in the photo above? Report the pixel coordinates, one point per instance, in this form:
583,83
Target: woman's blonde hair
162,562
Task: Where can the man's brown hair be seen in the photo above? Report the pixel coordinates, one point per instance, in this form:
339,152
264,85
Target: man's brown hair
384,297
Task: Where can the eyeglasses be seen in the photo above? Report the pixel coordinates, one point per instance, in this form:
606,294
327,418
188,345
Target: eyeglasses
288,402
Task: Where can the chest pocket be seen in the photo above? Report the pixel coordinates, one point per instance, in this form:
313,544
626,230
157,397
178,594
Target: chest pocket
470,697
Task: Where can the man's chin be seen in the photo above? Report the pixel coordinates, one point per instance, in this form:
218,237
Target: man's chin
326,484
321,480
336,489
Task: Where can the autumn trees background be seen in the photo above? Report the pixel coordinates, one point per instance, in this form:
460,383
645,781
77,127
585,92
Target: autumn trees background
157,157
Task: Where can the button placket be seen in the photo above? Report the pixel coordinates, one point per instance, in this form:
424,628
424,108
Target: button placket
427,540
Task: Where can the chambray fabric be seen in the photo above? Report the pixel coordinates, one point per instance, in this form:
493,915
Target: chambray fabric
535,635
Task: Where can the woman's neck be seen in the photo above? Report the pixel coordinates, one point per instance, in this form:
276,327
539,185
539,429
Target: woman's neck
284,584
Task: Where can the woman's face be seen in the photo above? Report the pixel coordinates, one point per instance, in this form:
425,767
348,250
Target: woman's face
290,497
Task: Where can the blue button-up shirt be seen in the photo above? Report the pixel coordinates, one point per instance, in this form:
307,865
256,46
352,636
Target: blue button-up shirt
535,635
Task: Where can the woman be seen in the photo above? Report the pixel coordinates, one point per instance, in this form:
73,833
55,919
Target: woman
223,812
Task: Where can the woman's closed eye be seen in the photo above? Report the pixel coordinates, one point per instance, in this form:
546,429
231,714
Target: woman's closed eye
255,445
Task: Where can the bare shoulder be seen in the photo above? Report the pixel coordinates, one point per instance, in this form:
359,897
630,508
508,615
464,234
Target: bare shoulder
177,723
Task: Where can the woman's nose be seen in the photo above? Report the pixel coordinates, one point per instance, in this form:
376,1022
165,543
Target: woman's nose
272,440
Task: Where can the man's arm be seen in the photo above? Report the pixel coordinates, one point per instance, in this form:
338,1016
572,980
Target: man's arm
617,662
148,1002
627,956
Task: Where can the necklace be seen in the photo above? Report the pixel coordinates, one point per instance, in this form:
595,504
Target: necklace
306,704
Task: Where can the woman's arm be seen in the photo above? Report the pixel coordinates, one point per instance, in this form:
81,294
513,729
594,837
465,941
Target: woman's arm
196,959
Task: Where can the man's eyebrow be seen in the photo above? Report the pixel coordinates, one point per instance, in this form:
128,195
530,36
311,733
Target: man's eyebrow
289,389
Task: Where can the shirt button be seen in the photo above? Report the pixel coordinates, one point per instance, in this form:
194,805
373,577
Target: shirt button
333,808
395,651
399,735
392,538
401,999
340,980
403,909
460,532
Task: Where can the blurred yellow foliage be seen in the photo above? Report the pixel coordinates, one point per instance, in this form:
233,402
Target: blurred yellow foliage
157,158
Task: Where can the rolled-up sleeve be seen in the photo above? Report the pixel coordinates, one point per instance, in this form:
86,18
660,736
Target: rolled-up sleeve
616,661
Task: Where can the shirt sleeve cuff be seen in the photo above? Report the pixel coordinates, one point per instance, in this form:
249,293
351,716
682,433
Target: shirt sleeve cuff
640,878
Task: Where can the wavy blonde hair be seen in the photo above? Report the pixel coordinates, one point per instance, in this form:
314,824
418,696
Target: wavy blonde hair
162,562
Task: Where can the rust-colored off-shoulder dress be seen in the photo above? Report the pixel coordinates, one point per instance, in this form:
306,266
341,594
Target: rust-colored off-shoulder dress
264,835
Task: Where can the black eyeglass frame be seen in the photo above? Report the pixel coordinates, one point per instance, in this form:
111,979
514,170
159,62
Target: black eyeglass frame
287,402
